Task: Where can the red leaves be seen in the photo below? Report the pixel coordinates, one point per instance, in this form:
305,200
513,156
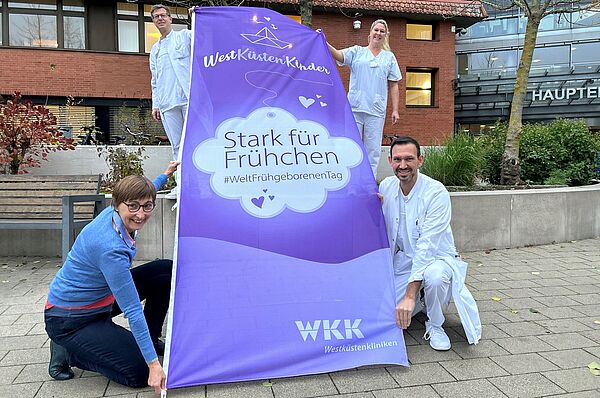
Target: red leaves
28,133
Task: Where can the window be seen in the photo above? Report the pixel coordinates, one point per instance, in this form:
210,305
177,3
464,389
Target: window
127,27
584,19
585,53
555,22
134,18
32,30
45,23
493,27
419,31
492,61
152,34
419,87
74,28
549,57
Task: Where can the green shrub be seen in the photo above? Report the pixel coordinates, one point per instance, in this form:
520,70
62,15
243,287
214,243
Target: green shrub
560,152
562,148
122,163
456,163
492,148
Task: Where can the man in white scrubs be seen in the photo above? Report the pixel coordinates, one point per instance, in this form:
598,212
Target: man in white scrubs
427,269
170,67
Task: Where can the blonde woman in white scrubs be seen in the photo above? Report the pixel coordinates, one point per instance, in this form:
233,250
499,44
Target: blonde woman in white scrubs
373,71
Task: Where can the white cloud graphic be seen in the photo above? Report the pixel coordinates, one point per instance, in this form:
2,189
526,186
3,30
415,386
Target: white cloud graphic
271,161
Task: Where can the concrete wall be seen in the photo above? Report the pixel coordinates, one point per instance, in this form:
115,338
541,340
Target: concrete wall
480,220
84,160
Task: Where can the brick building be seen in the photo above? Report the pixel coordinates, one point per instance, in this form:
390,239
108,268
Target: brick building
88,59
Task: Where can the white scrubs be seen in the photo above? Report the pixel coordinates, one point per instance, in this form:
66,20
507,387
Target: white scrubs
170,68
368,92
428,253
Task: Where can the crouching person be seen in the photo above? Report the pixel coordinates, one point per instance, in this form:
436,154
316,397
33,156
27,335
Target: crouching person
96,283
427,269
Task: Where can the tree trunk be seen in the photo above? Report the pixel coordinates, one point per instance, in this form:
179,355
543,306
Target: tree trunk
306,12
510,173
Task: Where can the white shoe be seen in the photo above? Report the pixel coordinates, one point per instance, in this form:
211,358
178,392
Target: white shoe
438,339
172,194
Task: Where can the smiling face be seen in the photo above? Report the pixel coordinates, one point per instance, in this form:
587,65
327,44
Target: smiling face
162,20
377,34
135,220
405,162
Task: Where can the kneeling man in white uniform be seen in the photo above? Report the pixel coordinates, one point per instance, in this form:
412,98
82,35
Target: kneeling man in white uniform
427,269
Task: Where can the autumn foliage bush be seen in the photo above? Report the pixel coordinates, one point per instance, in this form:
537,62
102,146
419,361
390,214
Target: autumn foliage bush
28,133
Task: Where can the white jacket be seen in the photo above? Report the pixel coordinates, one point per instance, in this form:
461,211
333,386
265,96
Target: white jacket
180,49
430,238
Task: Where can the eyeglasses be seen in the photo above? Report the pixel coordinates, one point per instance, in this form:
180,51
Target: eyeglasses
157,16
134,207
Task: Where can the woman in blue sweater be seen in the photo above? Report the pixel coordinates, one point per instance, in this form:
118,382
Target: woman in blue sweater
96,283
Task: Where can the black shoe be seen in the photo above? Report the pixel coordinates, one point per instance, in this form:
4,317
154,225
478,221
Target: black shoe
59,368
159,347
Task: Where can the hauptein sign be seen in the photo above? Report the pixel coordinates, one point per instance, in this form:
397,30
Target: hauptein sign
565,94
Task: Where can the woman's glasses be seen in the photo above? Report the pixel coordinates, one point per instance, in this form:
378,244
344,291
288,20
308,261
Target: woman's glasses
135,206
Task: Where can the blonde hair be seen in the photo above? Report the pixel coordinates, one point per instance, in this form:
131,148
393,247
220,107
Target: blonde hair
386,39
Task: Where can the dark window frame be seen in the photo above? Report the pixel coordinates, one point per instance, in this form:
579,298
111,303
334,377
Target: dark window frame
141,19
432,90
59,13
434,30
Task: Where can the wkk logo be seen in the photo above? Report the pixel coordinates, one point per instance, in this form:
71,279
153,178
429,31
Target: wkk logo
330,328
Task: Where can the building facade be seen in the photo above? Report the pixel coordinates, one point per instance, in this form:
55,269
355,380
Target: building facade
88,59
565,75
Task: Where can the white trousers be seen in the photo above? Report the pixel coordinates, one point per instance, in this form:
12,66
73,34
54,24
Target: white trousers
173,121
436,284
371,129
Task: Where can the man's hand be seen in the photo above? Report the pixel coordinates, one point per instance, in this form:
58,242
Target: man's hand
404,311
156,114
395,117
171,168
156,378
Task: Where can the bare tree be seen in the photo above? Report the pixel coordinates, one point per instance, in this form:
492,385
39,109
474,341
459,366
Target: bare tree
534,10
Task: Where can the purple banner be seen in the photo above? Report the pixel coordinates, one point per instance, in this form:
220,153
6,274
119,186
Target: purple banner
283,264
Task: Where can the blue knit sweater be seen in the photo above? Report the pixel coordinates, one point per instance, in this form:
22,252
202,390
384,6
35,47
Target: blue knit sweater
98,266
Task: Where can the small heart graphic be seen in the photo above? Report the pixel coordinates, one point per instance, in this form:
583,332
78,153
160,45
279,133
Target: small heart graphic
271,197
265,190
306,102
318,96
267,18
258,202
323,103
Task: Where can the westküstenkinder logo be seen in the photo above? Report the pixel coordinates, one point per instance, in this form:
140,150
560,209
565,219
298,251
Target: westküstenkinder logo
261,43
330,329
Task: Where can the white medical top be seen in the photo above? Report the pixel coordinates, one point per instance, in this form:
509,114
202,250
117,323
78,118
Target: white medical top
369,76
402,242
170,94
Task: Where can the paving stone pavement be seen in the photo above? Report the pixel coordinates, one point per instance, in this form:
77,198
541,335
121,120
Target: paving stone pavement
539,308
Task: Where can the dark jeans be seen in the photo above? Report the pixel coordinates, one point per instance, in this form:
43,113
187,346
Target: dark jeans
97,344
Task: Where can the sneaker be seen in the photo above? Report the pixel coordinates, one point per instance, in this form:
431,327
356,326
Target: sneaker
438,339
172,194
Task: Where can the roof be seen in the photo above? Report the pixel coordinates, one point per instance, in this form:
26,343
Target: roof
444,8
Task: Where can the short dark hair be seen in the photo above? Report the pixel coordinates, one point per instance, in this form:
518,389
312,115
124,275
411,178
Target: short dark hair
405,140
159,6
133,188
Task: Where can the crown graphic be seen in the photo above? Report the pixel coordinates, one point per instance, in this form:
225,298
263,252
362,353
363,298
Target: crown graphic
265,37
